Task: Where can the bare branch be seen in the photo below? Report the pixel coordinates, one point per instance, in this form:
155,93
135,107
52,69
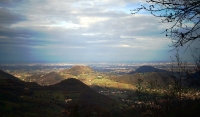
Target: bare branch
184,14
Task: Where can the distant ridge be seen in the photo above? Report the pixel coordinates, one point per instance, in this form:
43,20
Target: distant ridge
144,69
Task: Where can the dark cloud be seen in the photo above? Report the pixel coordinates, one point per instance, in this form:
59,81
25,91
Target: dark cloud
8,17
11,3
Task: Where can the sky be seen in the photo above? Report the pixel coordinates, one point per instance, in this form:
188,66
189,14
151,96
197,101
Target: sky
80,30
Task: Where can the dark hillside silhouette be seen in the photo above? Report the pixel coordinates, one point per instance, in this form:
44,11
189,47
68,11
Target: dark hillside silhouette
87,95
4,75
7,79
144,69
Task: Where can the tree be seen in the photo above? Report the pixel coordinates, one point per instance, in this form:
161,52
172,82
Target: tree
184,16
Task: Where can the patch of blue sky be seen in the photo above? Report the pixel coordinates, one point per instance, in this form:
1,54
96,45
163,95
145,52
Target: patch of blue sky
135,6
131,6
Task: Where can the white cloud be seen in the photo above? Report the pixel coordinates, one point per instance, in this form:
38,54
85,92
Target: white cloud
87,21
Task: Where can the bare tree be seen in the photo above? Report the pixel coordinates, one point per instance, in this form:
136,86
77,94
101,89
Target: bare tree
184,16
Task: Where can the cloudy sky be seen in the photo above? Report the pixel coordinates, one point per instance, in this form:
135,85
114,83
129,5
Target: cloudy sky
80,30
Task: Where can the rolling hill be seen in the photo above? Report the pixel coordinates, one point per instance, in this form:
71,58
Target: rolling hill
51,78
77,70
84,92
144,69
45,79
66,98
159,78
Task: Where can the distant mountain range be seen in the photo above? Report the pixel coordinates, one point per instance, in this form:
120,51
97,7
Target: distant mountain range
53,77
